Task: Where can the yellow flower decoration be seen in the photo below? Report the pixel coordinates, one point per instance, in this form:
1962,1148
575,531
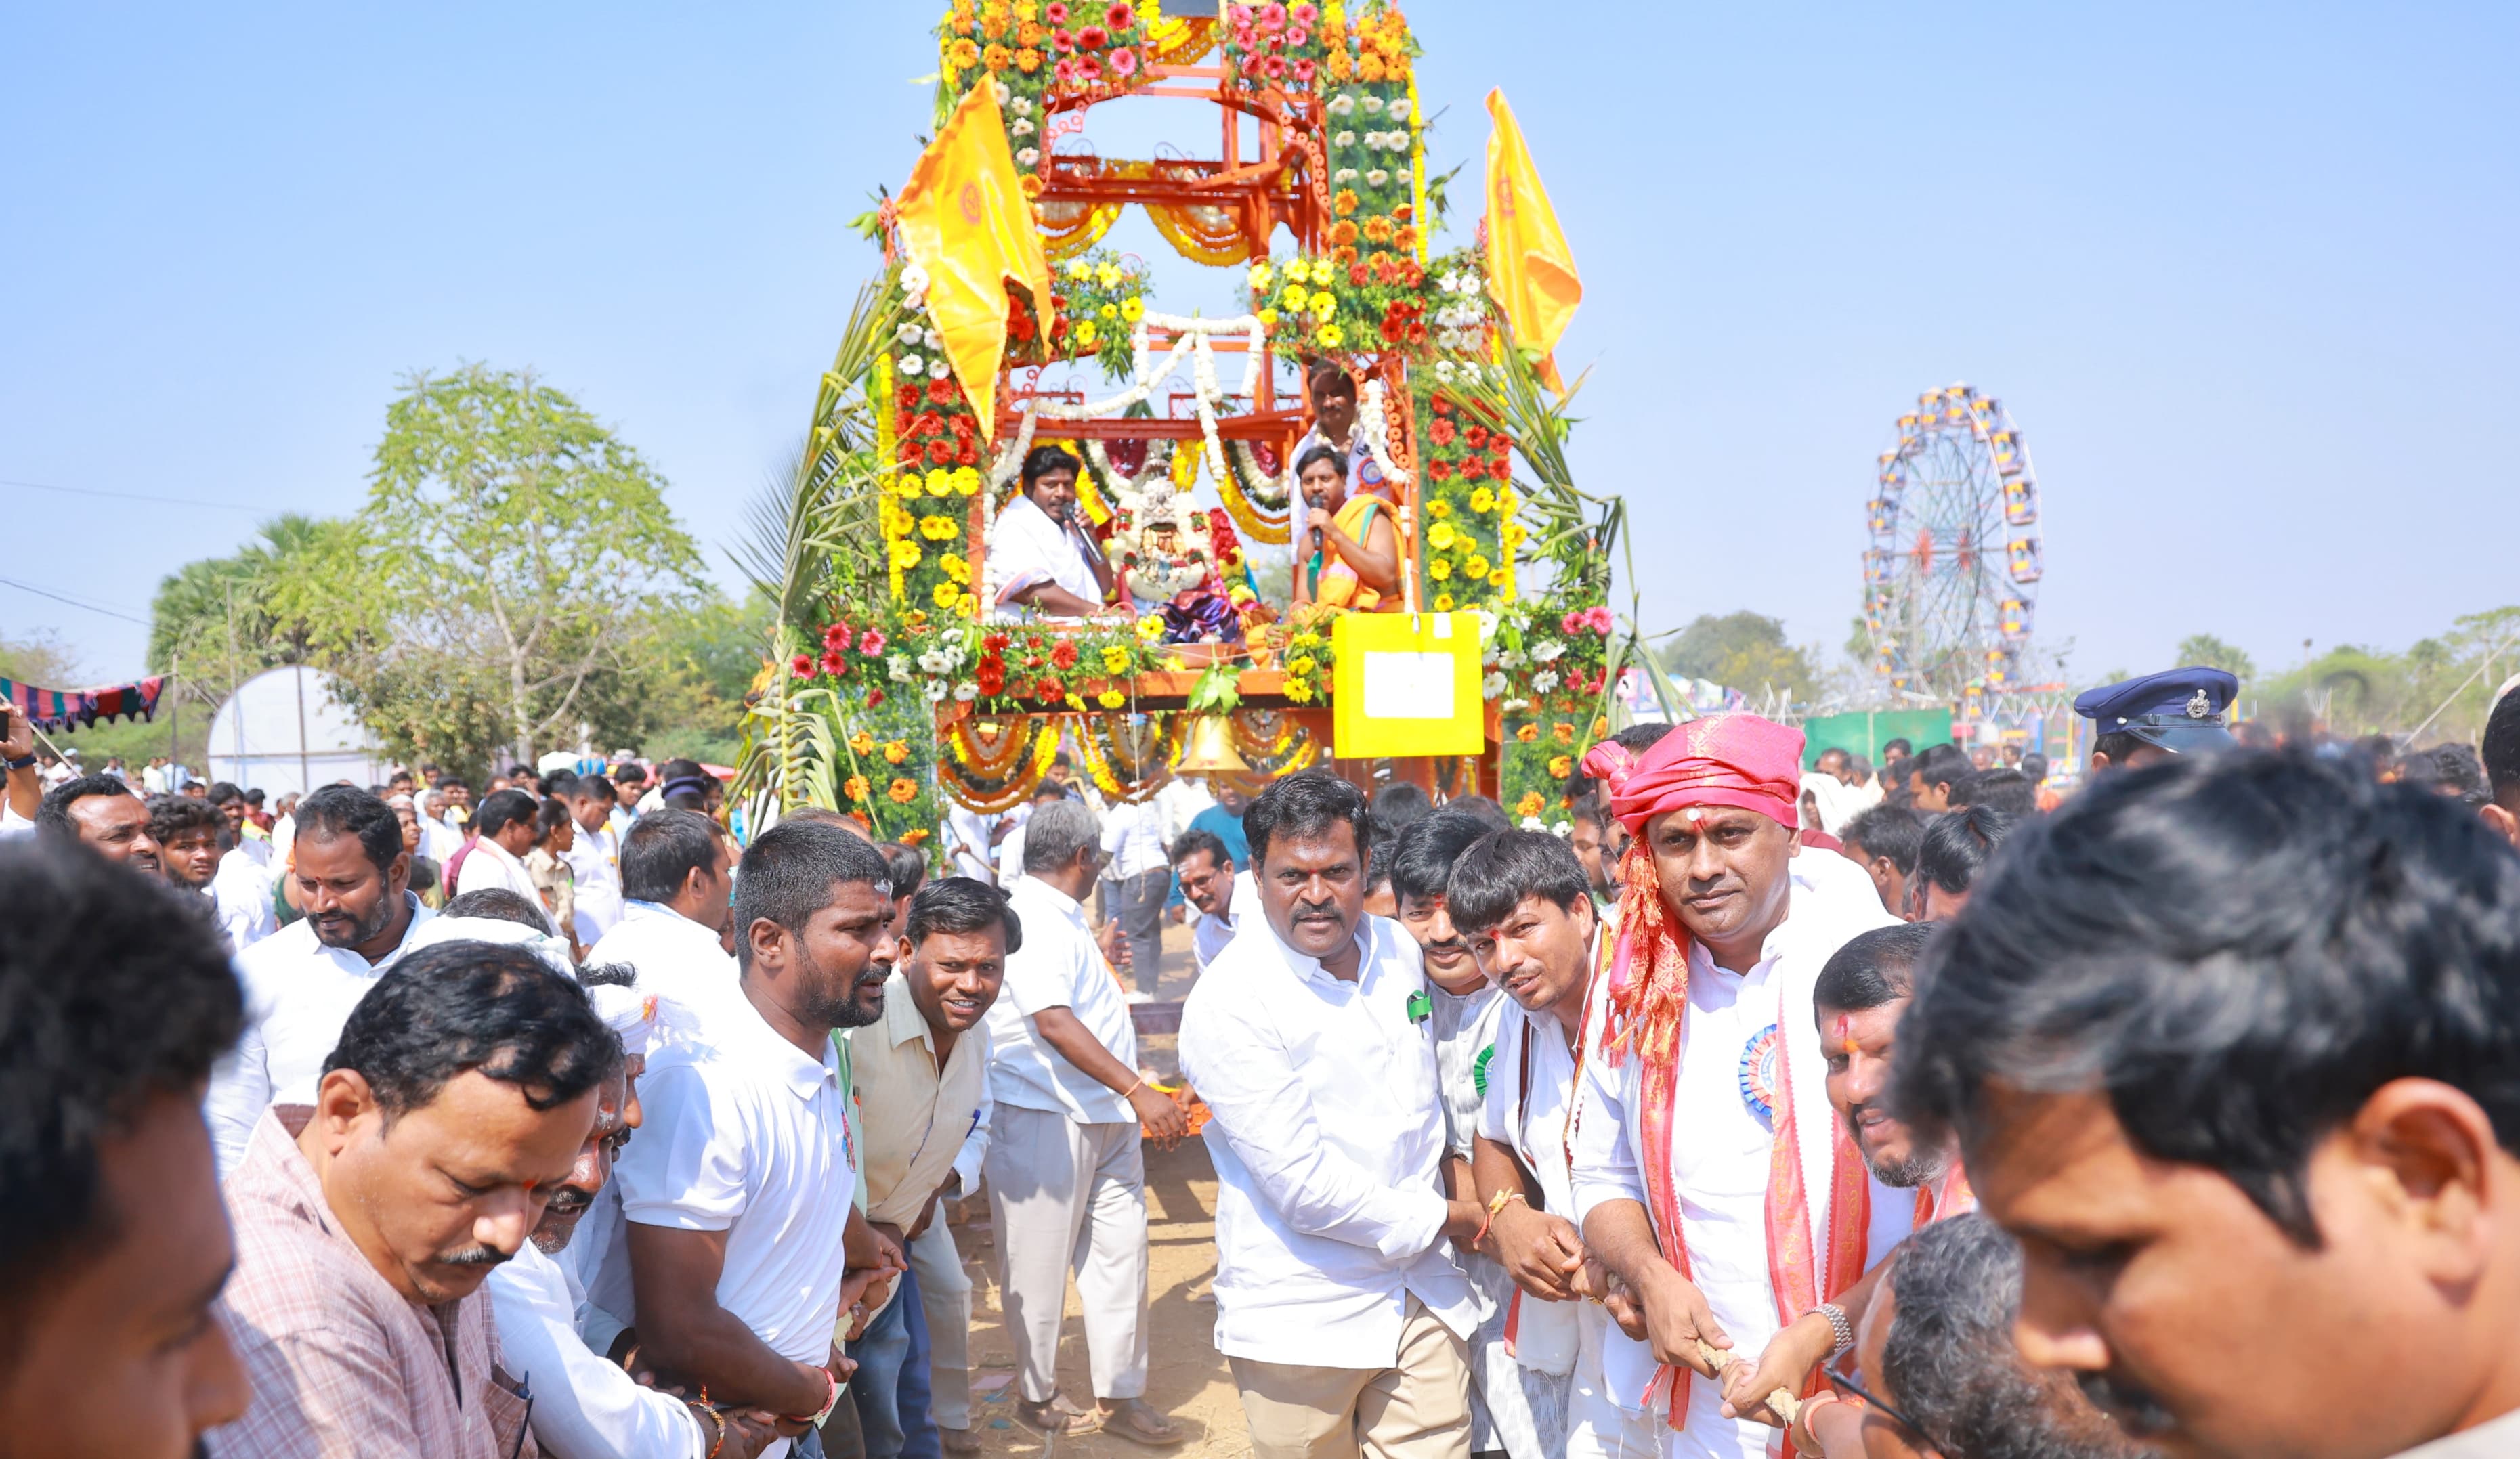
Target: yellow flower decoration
903,790
905,553
1269,318
862,743
1305,640
895,752
1114,658
945,594
1298,692
1108,275
1108,311
906,484
1443,602
896,522
1110,699
1440,569
1530,804
1560,765
1600,726
1514,534
1078,268
1329,336
1440,537
938,528
1476,567
1150,629
1439,508
1526,734
1294,297
1133,308
1483,500
1086,332
967,53
957,569
1260,275
939,481
854,788
1302,663
965,481
1323,305
1564,731
1507,501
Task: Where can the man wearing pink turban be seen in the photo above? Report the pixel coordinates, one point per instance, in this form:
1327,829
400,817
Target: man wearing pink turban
1708,1171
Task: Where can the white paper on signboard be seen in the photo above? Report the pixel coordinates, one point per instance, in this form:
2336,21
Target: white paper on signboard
1409,686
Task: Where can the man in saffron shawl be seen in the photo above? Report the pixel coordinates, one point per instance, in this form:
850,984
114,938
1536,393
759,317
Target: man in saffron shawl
1710,1175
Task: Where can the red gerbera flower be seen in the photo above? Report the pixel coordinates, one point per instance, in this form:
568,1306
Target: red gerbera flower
944,391
1439,470
1476,437
1055,11
968,453
990,678
996,643
1501,470
1048,690
963,427
802,666
1120,17
1417,332
1442,431
1064,40
906,397
940,453
1124,62
1356,276
925,424
1091,39
1304,70
834,664
872,645
1063,656
834,633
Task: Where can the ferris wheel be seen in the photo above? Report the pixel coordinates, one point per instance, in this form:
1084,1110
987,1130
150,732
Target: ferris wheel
1951,579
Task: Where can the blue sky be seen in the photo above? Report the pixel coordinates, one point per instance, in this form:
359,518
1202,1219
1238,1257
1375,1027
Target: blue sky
2242,272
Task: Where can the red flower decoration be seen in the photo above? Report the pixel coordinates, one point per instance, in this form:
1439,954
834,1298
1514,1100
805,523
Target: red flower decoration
1063,656
1443,431
1124,62
1356,276
926,423
1417,332
968,453
872,645
802,665
944,392
1439,470
990,678
834,633
1120,17
996,643
1277,68
1443,407
1500,469
906,398
940,453
1091,39
1055,11
875,697
1402,213
1476,436
1062,39
1304,70
963,427
834,664
1048,691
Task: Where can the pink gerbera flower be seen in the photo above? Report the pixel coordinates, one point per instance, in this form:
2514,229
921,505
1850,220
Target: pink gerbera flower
1303,15
1055,13
1273,15
872,645
1124,62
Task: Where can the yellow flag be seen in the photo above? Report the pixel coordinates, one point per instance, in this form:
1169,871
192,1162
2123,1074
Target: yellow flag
963,218
1531,272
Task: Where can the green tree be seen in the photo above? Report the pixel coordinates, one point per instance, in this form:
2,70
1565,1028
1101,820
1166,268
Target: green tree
214,618
509,581
1745,651
2206,651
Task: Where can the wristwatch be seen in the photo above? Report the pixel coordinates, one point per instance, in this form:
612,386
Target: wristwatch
1841,1331
27,764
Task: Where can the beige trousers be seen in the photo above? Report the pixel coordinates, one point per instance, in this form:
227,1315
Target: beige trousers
1065,1196
1418,1408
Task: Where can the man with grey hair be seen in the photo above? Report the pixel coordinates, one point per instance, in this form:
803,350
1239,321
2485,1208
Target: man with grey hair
1065,1173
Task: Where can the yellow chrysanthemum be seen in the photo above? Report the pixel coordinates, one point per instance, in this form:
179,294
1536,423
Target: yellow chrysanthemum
906,484
905,553
1305,640
854,788
1292,299
1108,275
1440,568
956,568
903,790
967,480
862,743
1133,308
1507,501
1329,336
938,528
1087,331
1114,658
968,608
944,594
1322,304
1514,534
1476,567
1110,699
896,522
1269,318
1440,536
1482,499
1530,804
1439,508
1260,275
1560,765
1443,602
895,752
1150,629
1298,693
1108,311
1078,268
1302,663
939,481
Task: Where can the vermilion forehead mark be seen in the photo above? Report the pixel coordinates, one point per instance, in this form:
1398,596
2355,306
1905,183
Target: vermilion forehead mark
1845,1032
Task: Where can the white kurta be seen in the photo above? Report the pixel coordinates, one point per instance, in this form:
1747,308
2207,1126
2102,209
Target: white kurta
1026,546
1720,1146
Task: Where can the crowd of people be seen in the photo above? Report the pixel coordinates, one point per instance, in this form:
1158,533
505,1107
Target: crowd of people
1899,1111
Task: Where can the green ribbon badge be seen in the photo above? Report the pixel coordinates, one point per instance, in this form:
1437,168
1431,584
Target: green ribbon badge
1421,1006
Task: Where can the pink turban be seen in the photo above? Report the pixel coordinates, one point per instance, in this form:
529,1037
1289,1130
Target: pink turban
1721,760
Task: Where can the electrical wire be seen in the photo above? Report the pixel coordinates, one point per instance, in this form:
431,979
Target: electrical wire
73,602
90,491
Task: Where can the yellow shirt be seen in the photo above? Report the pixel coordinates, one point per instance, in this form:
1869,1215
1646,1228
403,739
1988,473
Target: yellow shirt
918,1121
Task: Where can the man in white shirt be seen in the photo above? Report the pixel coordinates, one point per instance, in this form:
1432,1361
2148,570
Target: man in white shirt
743,1243
1523,900
503,833
1209,883
1338,1303
352,880
1040,558
922,1078
1133,838
594,857
674,910
1707,1167
1066,1174
585,1407
970,842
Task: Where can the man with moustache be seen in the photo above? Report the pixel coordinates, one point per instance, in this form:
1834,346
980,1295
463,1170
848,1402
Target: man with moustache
1708,1171
1521,898
585,1407
102,814
1039,558
462,1090
2228,1044
1508,1411
923,1074
351,878
1856,1006
1338,1304
743,1240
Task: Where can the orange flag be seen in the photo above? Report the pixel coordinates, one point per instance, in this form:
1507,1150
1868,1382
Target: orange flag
1531,272
963,218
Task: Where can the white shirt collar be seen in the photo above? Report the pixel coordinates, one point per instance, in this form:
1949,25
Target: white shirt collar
1303,965
804,1076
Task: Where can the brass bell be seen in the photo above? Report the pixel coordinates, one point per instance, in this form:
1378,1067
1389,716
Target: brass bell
1208,745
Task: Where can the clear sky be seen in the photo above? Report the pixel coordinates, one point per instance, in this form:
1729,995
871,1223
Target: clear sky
2244,274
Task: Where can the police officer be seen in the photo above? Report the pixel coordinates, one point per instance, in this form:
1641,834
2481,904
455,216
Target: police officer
2175,712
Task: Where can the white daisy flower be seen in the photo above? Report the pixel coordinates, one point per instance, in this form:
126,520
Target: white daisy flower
1399,110
966,691
1511,658
1534,824
935,341
1028,156
1023,105
1371,104
1376,178
1548,652
1544,680
1021,128
897,668
1006,93
1343,176
911,365
1492,685
1342,105
910,333
913,278
1344,139
937,690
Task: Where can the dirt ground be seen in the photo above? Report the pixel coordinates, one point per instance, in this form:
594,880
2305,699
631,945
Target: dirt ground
1186,1376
